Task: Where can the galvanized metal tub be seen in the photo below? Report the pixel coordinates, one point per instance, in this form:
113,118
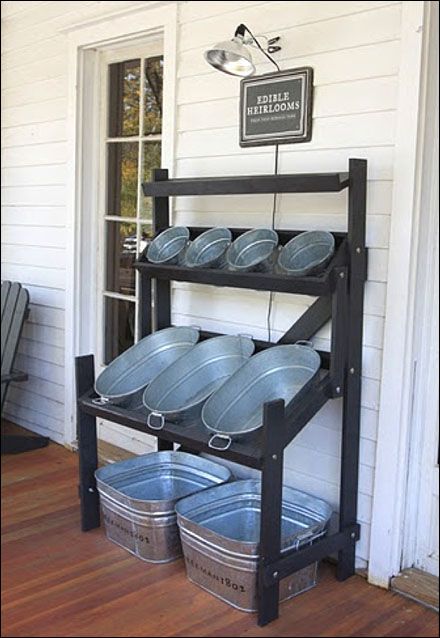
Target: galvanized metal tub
306,253
253,250
208,249
169,246
276,373
138,497
125,378
178,393
220,531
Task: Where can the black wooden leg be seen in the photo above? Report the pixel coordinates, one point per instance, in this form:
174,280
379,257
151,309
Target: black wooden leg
271,501
87,447
352,395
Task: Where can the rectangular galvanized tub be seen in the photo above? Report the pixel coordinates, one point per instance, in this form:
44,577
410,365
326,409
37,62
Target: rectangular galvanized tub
138,498
220,530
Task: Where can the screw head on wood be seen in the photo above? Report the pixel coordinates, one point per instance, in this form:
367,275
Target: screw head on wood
91,489
342,275
352,535
338,389
358,250
275,574
351,370
274,456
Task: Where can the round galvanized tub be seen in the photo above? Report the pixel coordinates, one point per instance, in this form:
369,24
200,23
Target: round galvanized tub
124,379
169,246
138,497
306,253
179,392
253,250
208,249
220,533
237,406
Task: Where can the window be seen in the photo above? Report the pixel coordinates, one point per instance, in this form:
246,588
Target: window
132,151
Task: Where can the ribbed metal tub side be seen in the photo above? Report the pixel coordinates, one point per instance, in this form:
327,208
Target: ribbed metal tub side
138,499
219,530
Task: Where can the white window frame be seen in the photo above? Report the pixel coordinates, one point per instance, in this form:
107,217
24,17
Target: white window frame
145,49
85,42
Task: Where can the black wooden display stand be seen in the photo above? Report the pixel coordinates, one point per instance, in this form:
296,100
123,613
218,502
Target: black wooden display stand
339,291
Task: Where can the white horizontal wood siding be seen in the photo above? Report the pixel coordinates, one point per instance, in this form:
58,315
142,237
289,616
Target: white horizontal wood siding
354,48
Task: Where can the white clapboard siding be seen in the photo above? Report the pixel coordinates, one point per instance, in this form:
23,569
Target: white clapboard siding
380,162
35,92
354,48
34,155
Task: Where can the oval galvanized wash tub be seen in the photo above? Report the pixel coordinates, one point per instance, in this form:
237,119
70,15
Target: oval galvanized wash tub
125,378
276,373
220,532
306,253
253,250
179,392
169,246
208,249
138,498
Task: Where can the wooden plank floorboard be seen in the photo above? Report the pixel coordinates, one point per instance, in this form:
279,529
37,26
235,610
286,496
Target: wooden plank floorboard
57,581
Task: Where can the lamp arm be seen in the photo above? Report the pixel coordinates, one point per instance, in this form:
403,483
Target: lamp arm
240,31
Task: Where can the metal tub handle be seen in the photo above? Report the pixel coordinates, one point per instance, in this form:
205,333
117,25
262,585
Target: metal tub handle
100,401
152,417
304,342
220,437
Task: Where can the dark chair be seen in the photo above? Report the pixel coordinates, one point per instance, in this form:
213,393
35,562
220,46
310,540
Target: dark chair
14,312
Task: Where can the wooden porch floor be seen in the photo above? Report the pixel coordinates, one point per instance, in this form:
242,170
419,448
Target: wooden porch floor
57,581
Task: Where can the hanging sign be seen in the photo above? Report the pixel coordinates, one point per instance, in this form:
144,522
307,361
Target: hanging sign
276,108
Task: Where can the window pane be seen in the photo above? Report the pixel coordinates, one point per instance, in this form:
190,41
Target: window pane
119,327
121,254
122,176
124,91
150,160
153,88
145,237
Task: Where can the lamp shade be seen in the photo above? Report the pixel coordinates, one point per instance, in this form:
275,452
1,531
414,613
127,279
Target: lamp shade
231,56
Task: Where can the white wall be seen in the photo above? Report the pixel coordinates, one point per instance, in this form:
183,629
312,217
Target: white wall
354,48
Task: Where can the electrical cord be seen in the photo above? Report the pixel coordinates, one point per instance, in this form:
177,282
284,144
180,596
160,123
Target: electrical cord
240,31
274,212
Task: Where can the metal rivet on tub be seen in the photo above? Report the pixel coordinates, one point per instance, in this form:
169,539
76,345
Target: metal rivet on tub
352,535
358,250
274,456
91,489
275,574
338,389
342,275
351,370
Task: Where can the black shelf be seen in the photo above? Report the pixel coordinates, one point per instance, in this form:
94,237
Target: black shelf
246,450
249,184
315,286
339,290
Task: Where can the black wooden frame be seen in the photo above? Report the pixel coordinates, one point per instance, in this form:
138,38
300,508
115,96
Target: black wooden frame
340,290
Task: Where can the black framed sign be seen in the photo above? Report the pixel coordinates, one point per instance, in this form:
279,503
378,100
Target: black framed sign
276,108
